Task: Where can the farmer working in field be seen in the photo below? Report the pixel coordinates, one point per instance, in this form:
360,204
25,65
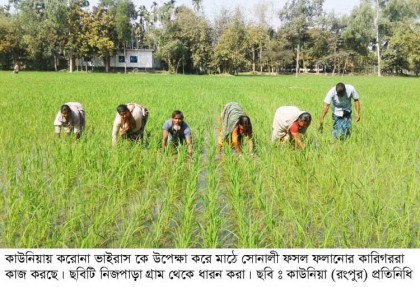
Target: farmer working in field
339,97
289,122
176,131
235,125
16,68
129,122
70,118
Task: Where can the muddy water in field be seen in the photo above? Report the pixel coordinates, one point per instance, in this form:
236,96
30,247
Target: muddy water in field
226,238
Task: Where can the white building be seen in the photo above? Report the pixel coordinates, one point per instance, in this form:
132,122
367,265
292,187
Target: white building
134,58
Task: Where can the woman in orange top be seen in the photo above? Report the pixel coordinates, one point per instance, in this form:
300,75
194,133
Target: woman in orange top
235,125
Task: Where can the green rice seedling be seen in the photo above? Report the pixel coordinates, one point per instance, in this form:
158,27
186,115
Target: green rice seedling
185,233
210,225
58,192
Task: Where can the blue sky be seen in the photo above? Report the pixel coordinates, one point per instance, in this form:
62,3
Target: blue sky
212,7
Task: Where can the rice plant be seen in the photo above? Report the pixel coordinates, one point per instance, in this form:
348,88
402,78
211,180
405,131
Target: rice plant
60,193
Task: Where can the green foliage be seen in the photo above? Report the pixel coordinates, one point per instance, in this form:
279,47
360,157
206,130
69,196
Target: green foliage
229,52
298,16
197,41
124,12
101,36
76,45
359,33
256,38
42,34
406,40
11,42
61,193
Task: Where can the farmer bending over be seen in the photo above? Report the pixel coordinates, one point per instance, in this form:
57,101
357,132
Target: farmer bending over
235,125
288,124
176,131
129,122
70,118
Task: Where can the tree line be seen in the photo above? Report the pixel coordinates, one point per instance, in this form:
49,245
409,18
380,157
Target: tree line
380,36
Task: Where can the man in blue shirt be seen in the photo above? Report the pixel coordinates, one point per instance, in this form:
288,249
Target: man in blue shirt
176,131
339,98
